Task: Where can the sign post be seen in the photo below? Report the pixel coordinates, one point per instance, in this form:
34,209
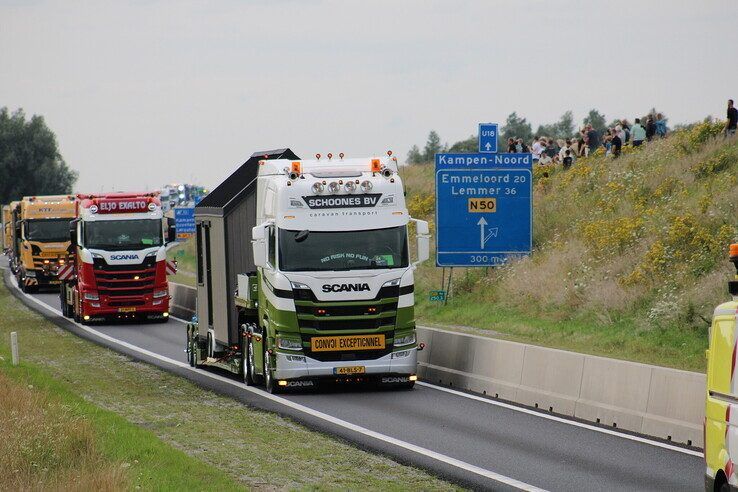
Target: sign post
484,210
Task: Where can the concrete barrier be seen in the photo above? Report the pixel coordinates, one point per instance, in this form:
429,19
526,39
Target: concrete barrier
651,400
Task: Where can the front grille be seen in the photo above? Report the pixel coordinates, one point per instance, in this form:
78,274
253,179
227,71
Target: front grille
345,310
126,303
125,292
354,324
125,280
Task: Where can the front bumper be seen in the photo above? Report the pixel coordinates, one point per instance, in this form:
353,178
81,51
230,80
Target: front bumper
296,365
148,308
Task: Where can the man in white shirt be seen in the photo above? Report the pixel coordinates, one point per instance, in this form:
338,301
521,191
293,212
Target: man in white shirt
537,148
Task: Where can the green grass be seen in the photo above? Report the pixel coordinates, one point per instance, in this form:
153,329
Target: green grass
144,460
162,425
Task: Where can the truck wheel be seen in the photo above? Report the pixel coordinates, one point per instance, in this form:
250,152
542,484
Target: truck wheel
190,347
269,382
63,302
253,378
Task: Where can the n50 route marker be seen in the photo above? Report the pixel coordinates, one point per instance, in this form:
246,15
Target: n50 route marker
484,210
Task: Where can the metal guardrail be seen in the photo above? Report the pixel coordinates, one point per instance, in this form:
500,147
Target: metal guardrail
652,400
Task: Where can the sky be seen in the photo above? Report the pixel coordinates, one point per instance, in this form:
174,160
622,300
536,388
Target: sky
145,93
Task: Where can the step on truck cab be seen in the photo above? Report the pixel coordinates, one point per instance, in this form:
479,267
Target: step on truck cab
119,259
41,244
721,409
327,293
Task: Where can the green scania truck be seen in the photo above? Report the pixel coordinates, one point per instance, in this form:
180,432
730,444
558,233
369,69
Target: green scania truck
304,273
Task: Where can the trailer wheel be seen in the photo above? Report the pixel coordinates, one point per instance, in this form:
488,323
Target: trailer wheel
191,347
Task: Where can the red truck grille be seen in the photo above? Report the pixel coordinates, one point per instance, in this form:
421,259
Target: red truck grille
125,280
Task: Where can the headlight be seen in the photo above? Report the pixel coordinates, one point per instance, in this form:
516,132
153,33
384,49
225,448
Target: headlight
160,293
298,285
287,344
30,273
97,255
91,296
152,253
405,340
392,283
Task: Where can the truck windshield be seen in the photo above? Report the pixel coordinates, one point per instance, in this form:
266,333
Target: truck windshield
118,235
301,251
48,230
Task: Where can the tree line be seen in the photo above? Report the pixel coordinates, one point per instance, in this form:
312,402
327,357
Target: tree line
30,162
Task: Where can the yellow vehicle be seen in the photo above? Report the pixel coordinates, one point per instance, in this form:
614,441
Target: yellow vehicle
721,409
7,228
42,241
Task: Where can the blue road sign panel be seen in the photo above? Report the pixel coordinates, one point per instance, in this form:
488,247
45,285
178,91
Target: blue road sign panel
488,138
484,208
184,221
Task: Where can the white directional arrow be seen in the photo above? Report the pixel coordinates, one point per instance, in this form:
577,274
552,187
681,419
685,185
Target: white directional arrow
483,238
488,146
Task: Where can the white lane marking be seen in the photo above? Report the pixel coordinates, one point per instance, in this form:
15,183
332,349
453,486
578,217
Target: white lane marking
563,420
307,410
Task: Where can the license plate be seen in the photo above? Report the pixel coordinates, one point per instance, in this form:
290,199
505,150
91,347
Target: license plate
347,343
349,370
127,310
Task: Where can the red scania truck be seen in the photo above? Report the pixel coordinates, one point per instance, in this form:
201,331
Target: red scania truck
119,265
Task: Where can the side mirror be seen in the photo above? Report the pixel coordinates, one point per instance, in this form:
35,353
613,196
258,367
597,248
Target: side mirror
423,240
73,233
259,244
171,230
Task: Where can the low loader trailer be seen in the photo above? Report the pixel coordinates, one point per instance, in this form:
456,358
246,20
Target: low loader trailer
304,273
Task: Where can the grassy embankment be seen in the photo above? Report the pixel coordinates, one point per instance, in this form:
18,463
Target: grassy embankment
630,255
77,416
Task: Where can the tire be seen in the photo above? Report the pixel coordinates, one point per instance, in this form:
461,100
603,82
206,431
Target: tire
269,383
255,379
63,301
190,348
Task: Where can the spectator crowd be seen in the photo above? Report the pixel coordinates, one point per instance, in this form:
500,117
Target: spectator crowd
588,140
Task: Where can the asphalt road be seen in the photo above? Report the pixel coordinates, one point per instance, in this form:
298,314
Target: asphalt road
469,439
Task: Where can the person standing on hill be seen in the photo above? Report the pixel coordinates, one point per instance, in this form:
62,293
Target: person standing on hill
539,145
732,123
617,143
510,145
637,133
593,139
650,128
660,125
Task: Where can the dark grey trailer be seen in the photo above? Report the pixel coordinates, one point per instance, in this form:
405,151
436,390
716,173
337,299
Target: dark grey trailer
223,220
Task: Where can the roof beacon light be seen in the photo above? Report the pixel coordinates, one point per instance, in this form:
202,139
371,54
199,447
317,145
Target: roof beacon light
318,187
93,209
367,186
334,187
317,156
376,165
330,156
340,156
389,153
350,186
295,171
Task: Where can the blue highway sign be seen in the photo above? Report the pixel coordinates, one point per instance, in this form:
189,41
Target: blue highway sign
184,221
488,137
484,208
